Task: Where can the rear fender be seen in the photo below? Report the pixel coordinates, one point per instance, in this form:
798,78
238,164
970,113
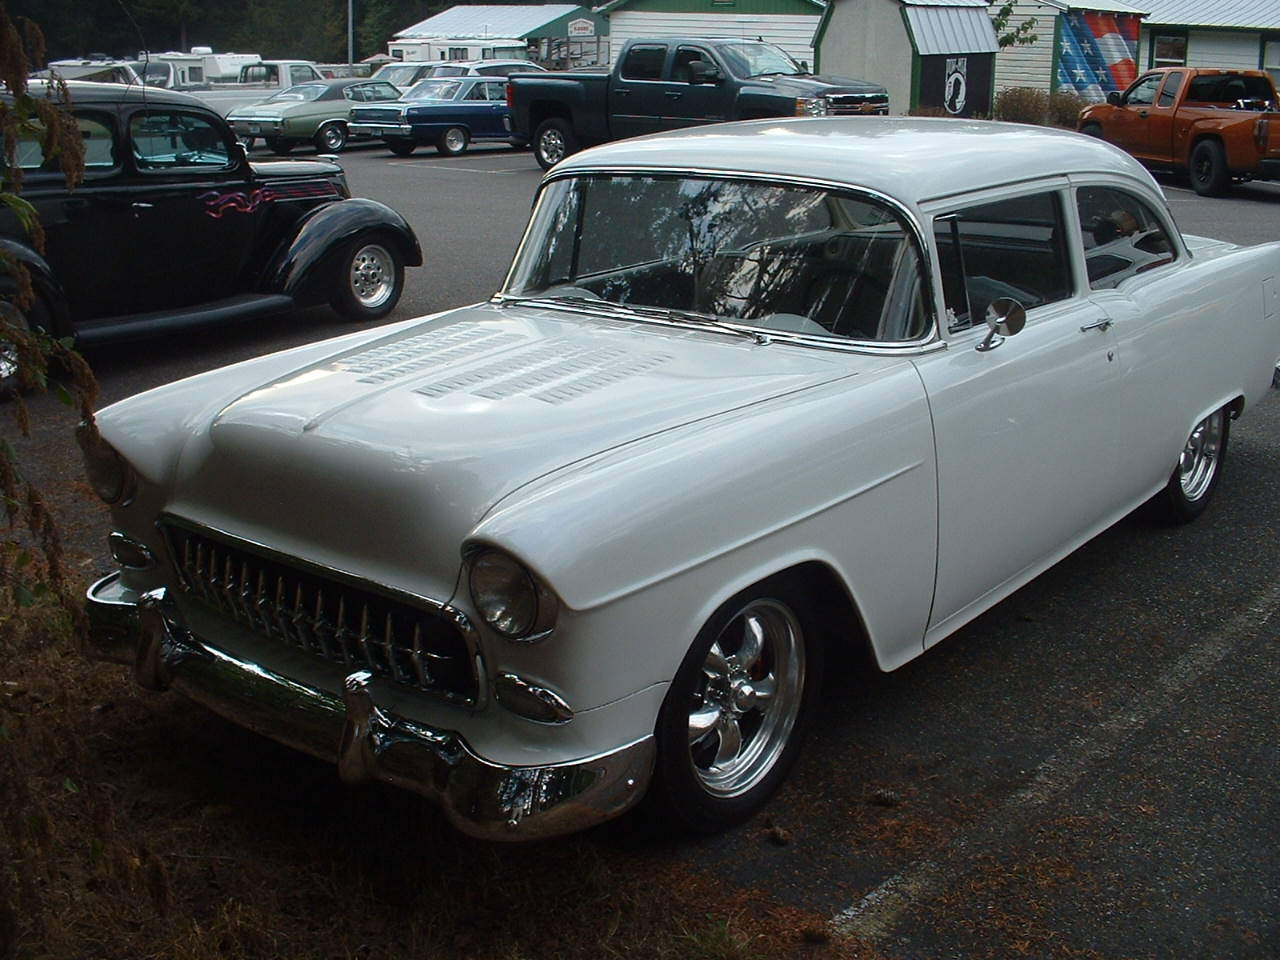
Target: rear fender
306,266
42,279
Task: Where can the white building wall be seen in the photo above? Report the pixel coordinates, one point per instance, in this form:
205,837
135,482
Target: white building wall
793,34
1210,48
868,39
1030,65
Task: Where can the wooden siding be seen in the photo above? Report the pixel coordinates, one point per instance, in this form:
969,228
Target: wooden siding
1030,65
1229,49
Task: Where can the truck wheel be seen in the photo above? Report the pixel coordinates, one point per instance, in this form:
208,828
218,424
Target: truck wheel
371,279
452,142
279,145
402,148
553,141
1092,130
1209,174
330,138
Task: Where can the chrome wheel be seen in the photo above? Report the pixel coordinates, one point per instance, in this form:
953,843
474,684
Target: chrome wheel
1198,465
746,703
372,276
332,137
452,142
10,314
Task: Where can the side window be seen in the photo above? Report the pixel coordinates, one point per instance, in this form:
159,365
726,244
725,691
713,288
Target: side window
1143,93
1009,248
300,74
1169,92
644,62
494,91
1122,236
476,93
95,134
166,140
680,66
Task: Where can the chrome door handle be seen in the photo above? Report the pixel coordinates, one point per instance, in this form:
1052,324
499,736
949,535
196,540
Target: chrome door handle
1097,325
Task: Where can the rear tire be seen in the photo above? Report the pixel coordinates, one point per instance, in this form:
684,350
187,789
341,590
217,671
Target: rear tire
453,142
732,721
330,138
553,141
279,146
1209,174
402,148
1192,484
36,316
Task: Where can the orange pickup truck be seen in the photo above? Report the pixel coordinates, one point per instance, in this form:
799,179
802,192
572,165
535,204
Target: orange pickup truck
1215,124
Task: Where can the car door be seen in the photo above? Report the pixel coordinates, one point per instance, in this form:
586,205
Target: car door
192,209
487,107
1128,124
636,90
686,103
1023,425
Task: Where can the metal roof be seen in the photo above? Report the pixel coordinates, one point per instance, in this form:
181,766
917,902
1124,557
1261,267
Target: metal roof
1240,14
958,26
484,21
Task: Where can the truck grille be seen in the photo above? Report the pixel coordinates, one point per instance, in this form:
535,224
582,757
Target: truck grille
853,104
338,620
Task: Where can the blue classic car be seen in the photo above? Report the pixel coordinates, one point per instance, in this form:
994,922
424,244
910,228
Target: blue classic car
447,112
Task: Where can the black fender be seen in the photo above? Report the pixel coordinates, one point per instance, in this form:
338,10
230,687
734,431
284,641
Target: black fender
43,279
307,266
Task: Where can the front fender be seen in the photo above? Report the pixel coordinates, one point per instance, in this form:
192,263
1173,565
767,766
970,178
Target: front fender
306,266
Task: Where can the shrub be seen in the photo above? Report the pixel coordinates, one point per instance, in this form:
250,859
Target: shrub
1065,106
1022,105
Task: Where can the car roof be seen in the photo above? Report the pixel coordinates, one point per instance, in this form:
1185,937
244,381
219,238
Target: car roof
914,160
87,92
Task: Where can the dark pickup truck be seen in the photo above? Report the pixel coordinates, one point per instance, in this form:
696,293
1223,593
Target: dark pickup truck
670,82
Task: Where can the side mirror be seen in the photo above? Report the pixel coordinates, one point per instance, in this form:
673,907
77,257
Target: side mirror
1006,317
1113,98
702,72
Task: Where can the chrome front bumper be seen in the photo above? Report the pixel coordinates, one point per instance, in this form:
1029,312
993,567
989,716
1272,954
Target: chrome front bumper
480,798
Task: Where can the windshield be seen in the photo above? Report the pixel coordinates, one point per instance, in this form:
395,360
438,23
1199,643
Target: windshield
401,74
433,90
749,59
779,257
305,91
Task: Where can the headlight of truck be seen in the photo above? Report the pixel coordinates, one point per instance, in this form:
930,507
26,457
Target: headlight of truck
509,598
110,474
811,106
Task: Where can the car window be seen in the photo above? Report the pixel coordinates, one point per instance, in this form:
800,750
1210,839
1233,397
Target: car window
373,92
1122,236
680,65
168,139
1228,88
433,89
1143,93
1169,92
644,62
1009,248
301,74
791,258
95,134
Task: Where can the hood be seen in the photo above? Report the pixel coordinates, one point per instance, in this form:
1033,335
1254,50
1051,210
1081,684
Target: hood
395,448
809,85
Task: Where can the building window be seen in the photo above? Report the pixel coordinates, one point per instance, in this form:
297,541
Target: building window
1169,50
1271,57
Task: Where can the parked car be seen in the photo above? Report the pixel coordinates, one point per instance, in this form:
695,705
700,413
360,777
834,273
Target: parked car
316,113
1213,124
446,112
483,68
173,226
747,398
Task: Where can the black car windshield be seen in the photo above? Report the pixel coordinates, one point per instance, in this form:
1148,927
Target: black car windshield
302,92
784,258
433,90
753,59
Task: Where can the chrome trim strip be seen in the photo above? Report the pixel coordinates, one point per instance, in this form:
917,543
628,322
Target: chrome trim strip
367,742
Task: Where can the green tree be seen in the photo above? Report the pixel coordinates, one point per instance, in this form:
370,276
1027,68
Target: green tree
1020,35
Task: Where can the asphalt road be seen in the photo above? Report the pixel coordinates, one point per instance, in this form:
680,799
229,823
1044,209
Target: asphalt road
1089,770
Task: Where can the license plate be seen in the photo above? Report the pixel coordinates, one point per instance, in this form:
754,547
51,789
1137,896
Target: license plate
255,128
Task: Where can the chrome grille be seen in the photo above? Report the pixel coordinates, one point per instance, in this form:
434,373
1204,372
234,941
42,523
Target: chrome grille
851,104
337,620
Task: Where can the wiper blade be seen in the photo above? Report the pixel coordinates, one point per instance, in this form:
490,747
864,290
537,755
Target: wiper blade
665,314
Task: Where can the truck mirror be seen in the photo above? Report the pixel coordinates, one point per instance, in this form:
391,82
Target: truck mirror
1113,98
702,72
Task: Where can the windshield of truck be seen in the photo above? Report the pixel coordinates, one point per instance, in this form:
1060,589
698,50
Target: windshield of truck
433,90
761,255
759,59
302,92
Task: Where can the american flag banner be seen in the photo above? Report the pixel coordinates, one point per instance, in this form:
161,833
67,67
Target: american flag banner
1097,53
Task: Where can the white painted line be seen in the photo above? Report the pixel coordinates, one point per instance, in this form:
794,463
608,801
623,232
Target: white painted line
874,916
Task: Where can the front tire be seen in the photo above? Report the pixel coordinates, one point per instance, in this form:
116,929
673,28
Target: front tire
452,142
1092,130
553,141
36,316
731,723
330,138
1192,484
1209,174
372,279
279,146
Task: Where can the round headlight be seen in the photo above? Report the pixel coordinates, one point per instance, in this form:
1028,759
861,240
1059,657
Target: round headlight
509,598
109,473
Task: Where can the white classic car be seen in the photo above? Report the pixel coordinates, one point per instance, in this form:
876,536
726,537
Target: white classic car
749,393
